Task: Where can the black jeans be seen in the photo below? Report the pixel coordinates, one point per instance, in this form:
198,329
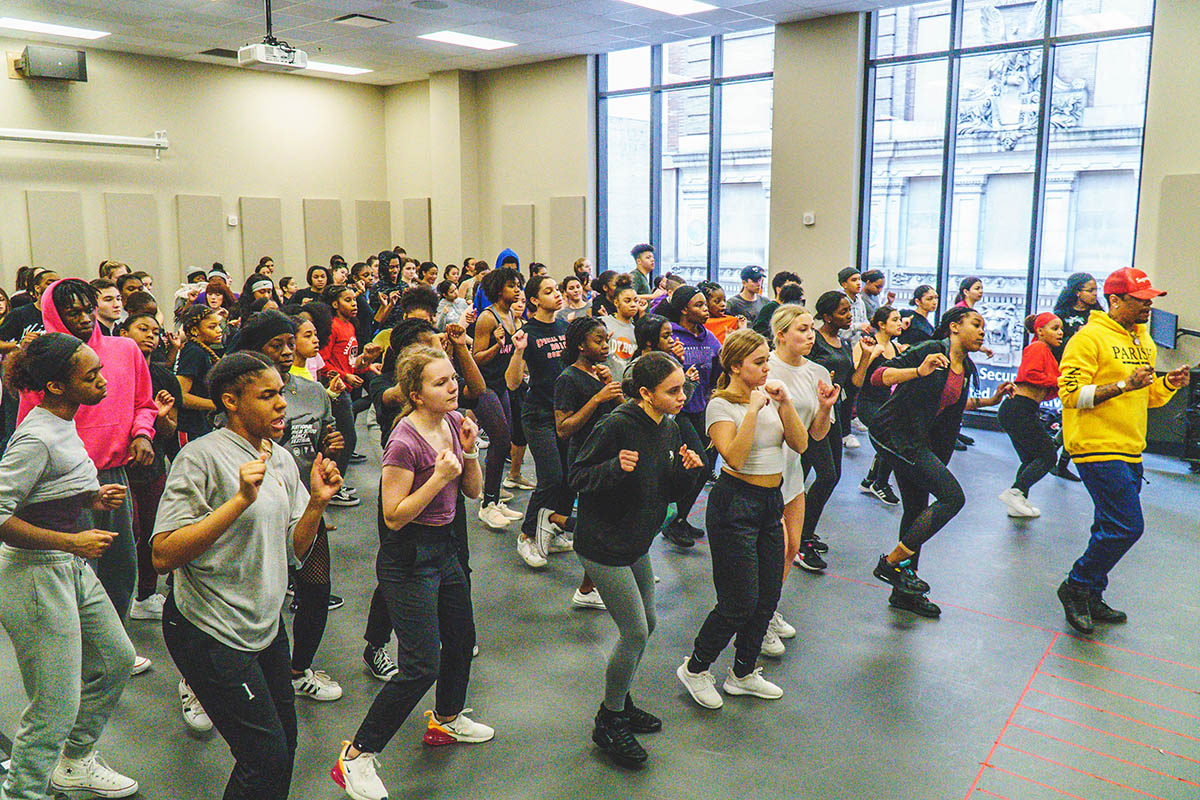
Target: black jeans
694,435
881,470
248,696
926,474
824,456
1018,417
428,601
343,420
745,534
550,462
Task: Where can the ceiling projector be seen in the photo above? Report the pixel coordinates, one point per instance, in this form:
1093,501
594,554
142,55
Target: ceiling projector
269,57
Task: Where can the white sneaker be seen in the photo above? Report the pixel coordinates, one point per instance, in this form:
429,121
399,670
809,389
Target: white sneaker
545,531
857,425
150,608
482,441
316,685
1018,505
850,442
561,542
772,645
781,627
589,600
493,517
528,551
505,495
193,713
475,651
357,776
91,774
140,664
753,684
518,482
702,686
511,513
460,729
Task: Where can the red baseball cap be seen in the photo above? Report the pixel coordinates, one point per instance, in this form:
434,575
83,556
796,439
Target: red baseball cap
1132,282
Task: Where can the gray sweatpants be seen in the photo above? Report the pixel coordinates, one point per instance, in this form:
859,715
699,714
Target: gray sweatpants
74,658
628,592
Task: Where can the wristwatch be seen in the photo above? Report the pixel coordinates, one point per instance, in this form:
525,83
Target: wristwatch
1121,385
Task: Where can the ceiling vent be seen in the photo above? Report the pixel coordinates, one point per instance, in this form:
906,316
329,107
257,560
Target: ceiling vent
362,21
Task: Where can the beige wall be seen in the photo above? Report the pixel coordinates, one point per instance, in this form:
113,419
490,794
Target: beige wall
233,133
815,147
407,144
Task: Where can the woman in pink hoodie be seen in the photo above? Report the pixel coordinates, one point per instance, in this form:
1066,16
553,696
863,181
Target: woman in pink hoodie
116,431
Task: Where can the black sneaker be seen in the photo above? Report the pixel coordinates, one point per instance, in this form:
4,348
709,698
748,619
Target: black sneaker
962,437
692,530
865,485
379,663
357,458
678,535
613,735
901,576
1102,612
819,545
918,604
810,559
641,721
335,602
1076,606
885,494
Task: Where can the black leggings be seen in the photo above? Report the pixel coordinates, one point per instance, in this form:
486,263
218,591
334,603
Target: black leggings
343,420
691,430
312,601
824,456
924,475
880,470
1018,417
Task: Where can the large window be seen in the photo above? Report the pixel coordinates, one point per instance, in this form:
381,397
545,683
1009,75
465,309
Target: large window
1004,143
684,133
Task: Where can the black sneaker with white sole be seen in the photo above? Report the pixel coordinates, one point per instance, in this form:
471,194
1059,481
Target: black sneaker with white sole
379,663
918,604
819,545
809,559
885,494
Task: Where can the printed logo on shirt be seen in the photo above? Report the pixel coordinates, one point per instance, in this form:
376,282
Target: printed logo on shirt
622,348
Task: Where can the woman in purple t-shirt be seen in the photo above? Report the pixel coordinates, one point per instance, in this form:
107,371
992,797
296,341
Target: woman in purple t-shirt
430,456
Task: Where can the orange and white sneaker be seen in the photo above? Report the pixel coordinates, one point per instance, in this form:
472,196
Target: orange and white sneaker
357,776
460,729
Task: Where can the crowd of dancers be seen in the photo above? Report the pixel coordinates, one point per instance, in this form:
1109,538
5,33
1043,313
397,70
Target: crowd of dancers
203,439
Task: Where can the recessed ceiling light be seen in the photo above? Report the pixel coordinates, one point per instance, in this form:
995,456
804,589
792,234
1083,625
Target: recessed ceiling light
362,21
338,69
677,7
466,40
12,23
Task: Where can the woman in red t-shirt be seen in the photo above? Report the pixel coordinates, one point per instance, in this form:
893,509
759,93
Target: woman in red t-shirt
1037,382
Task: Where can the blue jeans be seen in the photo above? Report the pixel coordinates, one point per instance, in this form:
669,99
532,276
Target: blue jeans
1115,487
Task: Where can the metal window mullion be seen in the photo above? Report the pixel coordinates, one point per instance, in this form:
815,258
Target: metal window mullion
1033,270
949,149
1008,47
712,268
601,164
1137,208
656,145
867,148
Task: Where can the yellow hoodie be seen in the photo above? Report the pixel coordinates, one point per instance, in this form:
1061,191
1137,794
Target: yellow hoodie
1103,352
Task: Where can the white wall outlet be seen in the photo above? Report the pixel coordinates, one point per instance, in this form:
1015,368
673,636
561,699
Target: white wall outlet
809,218
231,220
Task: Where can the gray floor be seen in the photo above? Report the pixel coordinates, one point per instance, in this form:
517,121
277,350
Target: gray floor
877,704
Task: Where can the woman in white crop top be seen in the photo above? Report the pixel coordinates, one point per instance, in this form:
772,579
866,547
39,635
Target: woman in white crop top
750,420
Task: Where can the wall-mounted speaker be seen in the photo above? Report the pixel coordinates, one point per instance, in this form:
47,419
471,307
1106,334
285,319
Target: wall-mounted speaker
55,63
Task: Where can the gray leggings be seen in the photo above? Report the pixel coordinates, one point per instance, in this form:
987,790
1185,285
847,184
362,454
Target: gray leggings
628,592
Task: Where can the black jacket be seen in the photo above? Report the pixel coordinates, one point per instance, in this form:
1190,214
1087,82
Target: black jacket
919,330
909,421
621,512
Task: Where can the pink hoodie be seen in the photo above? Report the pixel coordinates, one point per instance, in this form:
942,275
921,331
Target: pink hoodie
127,411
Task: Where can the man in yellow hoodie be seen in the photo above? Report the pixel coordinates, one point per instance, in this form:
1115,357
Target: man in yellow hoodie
1106,387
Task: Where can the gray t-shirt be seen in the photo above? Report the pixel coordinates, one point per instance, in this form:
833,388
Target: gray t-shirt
737,306
309,413
234,591
622,345
45,461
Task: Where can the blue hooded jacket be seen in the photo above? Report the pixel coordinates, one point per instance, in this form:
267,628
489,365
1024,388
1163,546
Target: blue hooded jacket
481,302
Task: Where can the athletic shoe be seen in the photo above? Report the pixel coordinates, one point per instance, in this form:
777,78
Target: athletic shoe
918,604
959,447
1018,506
357,458
518,482
901,576
1063,471
772,645
505,495
589,600
90,774
316,684
291,589
678,535
545,530
641,721
614,735
527,549
335,603
1077,607
561,543
781,627
344,499
885,494
475,651
753,684
511,513
350,490
1102,612
865,485
702,686
692,530
850,442
193,713
493,517
140,664
808,559
357,775
379,663
857,425
460,729
962,437
482,441
150,608
819,545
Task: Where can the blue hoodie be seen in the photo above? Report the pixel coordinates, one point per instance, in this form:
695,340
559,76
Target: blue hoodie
481,302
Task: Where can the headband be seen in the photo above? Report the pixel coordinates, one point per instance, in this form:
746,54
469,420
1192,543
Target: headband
265,327
1042,320
265,283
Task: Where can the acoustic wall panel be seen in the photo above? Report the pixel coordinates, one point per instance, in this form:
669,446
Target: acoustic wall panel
516,231
132,223
262,233
568,232
56,231
373,220
418,237
1178,228
322,230
201,231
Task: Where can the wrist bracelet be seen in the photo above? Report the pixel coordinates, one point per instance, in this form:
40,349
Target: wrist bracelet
471,456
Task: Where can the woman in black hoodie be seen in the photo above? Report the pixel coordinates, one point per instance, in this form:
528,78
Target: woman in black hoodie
631,466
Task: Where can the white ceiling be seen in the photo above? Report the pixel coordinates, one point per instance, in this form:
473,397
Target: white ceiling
542,29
